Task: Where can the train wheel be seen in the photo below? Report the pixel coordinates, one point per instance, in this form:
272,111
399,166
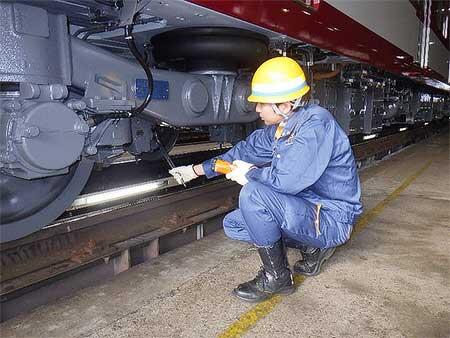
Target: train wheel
28,205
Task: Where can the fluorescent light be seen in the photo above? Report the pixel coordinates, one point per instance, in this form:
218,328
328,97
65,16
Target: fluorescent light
437,83
369,137
111,195
426,123
403,129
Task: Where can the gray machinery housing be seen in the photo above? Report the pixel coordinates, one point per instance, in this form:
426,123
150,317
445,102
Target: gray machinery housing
67,102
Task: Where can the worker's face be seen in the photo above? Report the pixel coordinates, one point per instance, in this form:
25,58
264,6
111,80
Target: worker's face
268,115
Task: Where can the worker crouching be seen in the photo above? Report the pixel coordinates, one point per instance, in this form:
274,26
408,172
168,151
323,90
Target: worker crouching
300,184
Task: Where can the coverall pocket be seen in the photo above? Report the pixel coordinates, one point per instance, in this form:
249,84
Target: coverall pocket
303,224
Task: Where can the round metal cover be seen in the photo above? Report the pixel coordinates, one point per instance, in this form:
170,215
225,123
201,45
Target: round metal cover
52,136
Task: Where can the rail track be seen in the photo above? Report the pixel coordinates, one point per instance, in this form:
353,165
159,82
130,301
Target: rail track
82,248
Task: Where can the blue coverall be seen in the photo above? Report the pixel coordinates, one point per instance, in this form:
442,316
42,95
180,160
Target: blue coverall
305,186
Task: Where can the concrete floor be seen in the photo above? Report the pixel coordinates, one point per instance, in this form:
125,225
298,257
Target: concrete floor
391,280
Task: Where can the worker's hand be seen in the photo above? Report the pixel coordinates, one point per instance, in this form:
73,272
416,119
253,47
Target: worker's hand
184,173
238,174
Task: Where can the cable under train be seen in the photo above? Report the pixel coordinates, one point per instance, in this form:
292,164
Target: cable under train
84,81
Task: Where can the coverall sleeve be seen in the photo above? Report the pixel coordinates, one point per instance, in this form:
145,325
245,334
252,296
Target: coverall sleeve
256,149
301,163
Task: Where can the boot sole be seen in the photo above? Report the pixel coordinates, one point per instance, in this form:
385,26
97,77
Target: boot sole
316,271
285,292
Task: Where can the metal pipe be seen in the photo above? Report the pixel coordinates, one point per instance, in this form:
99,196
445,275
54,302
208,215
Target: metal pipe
327,75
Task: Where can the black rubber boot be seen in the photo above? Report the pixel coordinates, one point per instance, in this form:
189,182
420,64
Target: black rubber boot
273,278
312,261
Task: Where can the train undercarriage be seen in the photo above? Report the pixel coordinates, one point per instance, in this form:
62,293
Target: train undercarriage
83,82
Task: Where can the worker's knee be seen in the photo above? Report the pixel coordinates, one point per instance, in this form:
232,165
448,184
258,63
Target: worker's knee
253,190
234,219
234,226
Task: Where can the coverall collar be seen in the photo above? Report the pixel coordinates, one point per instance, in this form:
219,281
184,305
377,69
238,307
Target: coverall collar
295,118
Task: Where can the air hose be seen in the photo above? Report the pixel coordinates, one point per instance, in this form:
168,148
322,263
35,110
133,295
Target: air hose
137,110
133,49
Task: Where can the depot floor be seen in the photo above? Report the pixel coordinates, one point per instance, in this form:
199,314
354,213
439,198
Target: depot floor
392,279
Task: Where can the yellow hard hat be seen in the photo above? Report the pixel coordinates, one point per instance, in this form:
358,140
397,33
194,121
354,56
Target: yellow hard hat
278,80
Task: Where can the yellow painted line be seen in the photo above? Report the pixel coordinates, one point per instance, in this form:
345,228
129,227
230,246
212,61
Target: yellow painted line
249,319
375,211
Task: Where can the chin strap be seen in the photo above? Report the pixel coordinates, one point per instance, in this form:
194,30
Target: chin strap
277,111
296,104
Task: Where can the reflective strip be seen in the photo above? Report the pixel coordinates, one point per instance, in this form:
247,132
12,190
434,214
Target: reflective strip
273,92
317,221
283,87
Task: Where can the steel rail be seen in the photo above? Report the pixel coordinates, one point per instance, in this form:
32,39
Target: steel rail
73,243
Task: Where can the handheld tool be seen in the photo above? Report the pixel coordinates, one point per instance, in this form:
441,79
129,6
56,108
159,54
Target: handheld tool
223,167
166,156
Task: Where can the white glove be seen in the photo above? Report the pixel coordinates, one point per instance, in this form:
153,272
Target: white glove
184,173
238,174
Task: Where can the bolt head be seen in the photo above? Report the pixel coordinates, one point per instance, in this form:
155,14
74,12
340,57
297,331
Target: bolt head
91,150
32,131
81,127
